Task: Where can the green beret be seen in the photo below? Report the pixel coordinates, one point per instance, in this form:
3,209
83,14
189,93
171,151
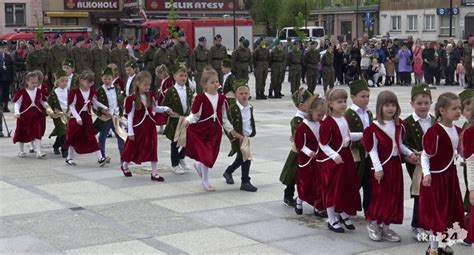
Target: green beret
131,64
301,96
466,94
179,66
60,73
227,62
420,89
107,71
240,83
357,86
69,62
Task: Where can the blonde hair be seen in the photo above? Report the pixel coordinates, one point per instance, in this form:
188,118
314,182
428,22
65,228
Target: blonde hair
162,69
31,75
40,74
444,100
314,103
207,74
333,95
139,78
467,103
387,97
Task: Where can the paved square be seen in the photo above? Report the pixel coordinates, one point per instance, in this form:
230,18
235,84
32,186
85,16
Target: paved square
48,207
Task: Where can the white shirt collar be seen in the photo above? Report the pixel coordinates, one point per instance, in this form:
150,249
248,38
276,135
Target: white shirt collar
356,108
180,87
131,77
300,114
70,76
417,118
241,106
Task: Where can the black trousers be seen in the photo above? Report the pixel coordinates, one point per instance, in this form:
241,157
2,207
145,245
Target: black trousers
449,73
245,166
176,154
4,92
290,191
414,218
428,73
365,183
58,143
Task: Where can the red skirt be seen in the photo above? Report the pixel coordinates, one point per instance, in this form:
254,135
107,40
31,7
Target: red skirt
470,230
309,184
386,198
341,184
81,137
203,141
161,119
145,146
30,126
441,205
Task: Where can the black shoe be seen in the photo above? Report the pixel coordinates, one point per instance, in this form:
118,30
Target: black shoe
445,251
56,151
1,134
247,186
228,178
270,94
332,228
5,109
64,153
277,95
299,210
102,161
290,202
322,214
263,96
348,226
32,151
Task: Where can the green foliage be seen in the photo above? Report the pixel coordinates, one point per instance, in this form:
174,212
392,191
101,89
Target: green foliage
263,12
172,17
299,20
39,30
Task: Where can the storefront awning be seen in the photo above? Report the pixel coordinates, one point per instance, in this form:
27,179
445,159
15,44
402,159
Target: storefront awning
67,14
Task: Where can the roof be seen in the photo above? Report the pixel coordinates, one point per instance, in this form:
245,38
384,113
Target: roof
345,9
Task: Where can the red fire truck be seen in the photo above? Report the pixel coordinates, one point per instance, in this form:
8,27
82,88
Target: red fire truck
158,30
29,33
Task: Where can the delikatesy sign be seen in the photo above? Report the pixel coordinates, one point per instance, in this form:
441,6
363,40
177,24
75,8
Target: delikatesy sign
191,5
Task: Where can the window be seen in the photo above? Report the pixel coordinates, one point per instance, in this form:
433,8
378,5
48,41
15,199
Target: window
412,21
429,22
69,21
444,25
396,23
15,14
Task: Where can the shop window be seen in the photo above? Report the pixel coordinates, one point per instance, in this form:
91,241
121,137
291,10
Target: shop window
444,25
396,23
69,21
14,14
412,21
429,22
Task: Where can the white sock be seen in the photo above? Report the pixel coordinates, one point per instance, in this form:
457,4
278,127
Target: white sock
70,153
299,203
22,147
98,154
331,215
374,222
205,171
38,146
32,145
346,216
154,168
125,165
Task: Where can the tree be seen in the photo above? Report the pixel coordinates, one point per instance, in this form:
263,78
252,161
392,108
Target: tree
172,17
299,20
264,11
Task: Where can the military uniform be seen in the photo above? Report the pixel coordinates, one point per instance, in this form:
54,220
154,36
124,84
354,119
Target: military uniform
311,59
182,53
82,58
328,70
57,56
162,57
148,58
468,60
140,59
294,61
119,56
261,57
36,60
217,53
288,173
201,58
100,59
242,59
277,58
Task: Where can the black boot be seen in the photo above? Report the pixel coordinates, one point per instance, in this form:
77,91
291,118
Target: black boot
270,94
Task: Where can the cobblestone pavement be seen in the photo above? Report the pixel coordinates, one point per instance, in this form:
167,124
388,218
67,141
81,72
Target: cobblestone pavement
48,207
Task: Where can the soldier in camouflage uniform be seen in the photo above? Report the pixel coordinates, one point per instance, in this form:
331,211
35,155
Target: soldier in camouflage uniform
57,53
69,46
140,57
36,60
277,58
242,59
261,57
181,52
328,69
162,57
294,60
311,59
118,56
81,56
217,53
100,58
201,58
148,58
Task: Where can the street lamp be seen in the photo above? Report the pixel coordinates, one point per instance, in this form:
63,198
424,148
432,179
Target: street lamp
357,19
305,15
451,18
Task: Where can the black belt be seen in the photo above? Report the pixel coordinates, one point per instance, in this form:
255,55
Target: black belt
217,58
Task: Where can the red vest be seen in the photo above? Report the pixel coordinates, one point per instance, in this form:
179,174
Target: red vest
385,142
304,136
207,111
140,114
329,134
26,101
437,144
80,102
468,142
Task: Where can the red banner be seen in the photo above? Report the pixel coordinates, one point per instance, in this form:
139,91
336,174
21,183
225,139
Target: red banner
91,5
191,5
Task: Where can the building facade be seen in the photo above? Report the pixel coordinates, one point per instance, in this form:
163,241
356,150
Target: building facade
159,9
15,14
426,19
